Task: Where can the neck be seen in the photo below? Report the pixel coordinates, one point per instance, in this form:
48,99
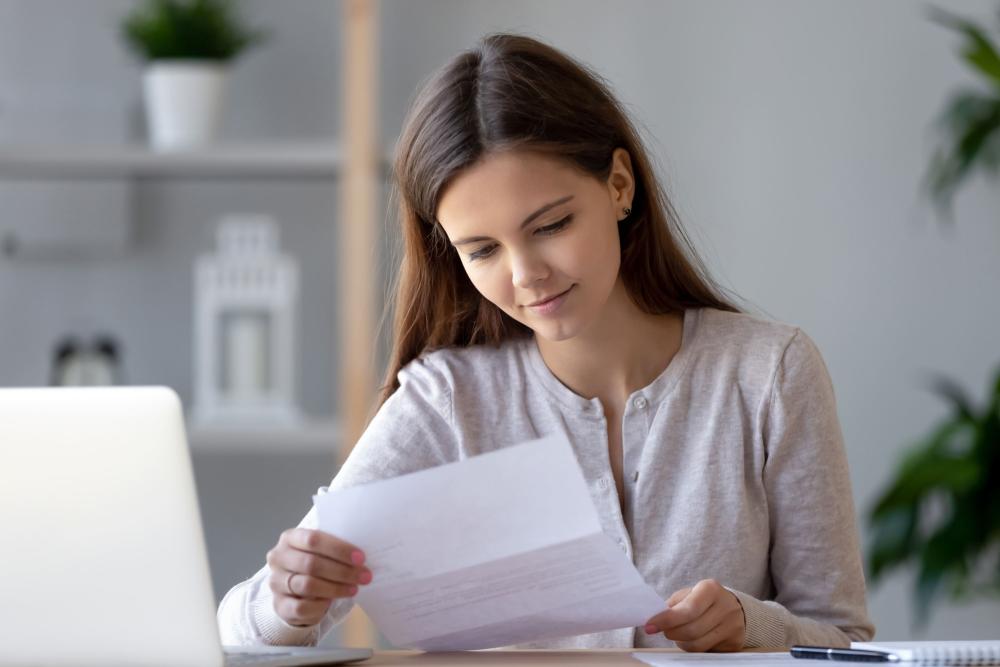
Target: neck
620,353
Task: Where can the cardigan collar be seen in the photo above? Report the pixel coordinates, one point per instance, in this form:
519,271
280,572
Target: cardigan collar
654,392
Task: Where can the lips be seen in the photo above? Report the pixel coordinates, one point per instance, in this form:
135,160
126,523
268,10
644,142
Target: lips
549,298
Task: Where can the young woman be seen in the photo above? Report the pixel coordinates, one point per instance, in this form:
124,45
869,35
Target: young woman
546,287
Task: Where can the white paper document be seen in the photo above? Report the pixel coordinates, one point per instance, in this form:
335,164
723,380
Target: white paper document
499,549
679,659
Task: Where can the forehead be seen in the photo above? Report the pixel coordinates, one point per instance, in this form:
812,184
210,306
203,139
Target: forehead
505,187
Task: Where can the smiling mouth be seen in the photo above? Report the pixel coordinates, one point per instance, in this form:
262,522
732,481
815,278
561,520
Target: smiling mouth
550,298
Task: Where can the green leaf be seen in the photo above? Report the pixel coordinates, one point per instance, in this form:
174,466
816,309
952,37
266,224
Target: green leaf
990,156
187,29
971,122
964,108
942,510
943,561
978,50
995,402
894,540
950,390
940,183
925,590
927,468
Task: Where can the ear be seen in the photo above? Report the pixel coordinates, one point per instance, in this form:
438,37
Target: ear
621,182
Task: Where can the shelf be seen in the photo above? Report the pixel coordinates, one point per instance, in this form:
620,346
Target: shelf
265,160
313,437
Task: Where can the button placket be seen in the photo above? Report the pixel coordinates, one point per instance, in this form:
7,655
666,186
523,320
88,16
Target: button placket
634,434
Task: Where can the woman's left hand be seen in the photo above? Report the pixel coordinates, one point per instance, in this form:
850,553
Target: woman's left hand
705,617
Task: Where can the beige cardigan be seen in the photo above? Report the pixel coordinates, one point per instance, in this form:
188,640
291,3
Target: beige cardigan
734,466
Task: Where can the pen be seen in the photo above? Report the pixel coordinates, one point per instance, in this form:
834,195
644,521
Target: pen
845,654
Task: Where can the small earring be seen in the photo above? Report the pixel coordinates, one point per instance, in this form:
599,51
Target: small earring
628,211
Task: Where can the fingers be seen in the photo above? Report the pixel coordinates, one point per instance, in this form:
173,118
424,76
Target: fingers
705,617
309,570
320,555
313,565
696,603
687,605
697,628
305,586
322,544
653,624
728,635
706,642
678,596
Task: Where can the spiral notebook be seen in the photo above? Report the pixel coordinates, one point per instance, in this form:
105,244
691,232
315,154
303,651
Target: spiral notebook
972,652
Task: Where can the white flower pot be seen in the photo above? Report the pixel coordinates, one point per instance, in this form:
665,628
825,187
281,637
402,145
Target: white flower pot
183,102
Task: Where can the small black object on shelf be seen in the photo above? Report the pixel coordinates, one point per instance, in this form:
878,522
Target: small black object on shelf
78,364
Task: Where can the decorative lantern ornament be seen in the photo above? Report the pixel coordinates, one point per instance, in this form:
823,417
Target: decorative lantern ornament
246,303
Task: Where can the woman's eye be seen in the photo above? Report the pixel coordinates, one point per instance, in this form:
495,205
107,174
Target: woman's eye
554,227
482,253
488,250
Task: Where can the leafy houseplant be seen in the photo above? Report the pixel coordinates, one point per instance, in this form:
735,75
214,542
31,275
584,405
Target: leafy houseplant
971,119
941,512
188,46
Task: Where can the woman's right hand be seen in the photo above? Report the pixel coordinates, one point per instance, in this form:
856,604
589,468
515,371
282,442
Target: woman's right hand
309,570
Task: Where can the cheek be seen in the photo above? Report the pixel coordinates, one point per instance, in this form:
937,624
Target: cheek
595,254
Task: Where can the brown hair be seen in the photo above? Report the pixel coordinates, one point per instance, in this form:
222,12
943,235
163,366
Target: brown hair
514,92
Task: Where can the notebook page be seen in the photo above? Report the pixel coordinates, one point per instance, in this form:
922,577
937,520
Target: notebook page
960,652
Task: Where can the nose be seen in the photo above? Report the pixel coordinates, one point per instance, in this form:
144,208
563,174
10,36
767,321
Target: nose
527,268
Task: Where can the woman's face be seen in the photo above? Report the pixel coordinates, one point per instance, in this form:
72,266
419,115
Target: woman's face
538,237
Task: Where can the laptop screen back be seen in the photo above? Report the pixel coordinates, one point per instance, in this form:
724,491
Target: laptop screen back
103,553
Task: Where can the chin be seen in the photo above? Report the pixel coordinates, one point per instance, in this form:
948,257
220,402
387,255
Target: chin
552,330
555,331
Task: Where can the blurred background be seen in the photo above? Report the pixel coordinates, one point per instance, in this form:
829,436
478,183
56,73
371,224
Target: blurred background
793,138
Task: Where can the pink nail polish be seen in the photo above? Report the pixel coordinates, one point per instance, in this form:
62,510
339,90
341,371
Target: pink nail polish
650,629
353,590
357,557
365,578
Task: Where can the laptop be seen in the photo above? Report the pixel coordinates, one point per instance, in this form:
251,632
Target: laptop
103,555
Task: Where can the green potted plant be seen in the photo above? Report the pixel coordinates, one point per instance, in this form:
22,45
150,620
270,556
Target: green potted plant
188,46
941,511
940,514
970,122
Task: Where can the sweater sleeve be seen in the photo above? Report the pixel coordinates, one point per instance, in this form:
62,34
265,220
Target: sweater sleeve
815,559
413,430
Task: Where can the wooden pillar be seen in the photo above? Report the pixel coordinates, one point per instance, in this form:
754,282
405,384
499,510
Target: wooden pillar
358,261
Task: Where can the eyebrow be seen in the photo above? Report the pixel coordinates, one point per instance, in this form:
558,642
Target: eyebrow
527,221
